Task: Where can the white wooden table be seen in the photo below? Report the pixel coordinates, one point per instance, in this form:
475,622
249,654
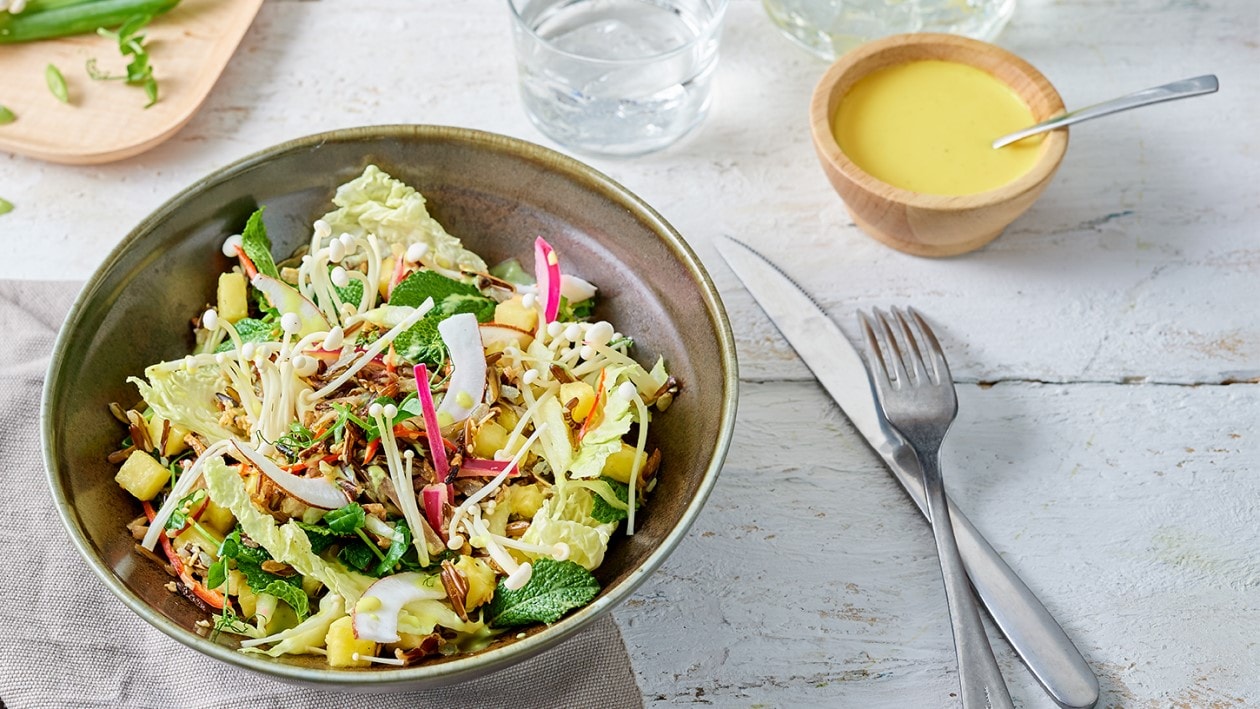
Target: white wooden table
1108,346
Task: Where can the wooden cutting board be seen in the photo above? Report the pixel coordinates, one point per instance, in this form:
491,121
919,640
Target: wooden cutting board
106,120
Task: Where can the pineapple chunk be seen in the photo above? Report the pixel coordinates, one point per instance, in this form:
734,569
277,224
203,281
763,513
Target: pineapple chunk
513,312
174,439
246,597
142,476
233,298
525,500
481,580
342,645
620,465
220,519
491,437
584,394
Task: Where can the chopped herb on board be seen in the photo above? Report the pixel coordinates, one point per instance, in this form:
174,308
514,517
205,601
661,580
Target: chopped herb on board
57,83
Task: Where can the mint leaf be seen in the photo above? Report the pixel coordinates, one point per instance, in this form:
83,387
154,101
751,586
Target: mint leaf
346,519
257,246
420,285
352,293
422,343
252,330
289,593
555,588
606,513
478,305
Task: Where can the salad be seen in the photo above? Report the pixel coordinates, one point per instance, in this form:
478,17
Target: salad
381,450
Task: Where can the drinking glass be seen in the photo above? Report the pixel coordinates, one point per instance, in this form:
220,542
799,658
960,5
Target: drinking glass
830,28
616,77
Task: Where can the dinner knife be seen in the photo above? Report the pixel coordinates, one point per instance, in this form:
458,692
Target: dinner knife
1015,609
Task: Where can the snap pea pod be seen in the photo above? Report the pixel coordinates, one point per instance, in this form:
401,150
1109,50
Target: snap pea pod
61,18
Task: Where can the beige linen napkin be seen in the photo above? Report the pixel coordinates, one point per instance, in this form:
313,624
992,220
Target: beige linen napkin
65,641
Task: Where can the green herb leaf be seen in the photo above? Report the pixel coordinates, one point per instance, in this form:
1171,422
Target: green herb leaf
216,575
57,83
319,536
478,305
575,313
351,293
606,513
397,547
130,44
252,330
422,343
185,507
346,519
555,588
357,556
6,116
249,562
420,285
5,206
288,592
257,246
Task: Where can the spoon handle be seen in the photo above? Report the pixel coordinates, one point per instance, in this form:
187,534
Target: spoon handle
1185,88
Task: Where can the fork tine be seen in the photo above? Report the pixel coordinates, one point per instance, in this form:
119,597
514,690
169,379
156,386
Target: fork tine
934,346
894,350
875,354
914,353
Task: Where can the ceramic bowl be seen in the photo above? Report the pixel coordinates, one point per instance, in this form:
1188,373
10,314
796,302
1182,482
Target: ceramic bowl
497,194
927,224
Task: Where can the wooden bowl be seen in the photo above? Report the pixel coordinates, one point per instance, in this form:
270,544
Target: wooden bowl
929,224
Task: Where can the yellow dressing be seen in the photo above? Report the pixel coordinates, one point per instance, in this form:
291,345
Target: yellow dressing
928,126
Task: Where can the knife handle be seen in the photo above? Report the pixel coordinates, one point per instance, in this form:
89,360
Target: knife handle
1015,609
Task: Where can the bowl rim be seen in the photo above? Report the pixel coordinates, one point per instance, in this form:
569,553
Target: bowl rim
463,667
1054,142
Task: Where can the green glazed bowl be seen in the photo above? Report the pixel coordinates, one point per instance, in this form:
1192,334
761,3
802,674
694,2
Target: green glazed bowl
497,194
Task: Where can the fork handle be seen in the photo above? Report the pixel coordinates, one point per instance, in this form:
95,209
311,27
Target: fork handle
978,674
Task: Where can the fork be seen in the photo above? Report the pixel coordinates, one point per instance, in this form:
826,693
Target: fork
915,393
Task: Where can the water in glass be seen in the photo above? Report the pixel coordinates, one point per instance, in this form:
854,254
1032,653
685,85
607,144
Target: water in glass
616,77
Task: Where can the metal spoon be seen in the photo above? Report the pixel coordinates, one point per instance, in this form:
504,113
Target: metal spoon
1185,88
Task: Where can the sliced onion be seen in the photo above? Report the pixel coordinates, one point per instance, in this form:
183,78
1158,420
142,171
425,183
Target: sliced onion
375,616
434,496
468,361
547,271
431,428
496,337
575,289
286,299
483,468
316,492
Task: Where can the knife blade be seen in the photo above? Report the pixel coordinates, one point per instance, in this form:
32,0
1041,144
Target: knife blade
1034,634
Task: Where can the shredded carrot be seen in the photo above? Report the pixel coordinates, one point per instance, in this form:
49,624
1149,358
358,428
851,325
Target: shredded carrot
214,599
370,452
590,421
250,269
